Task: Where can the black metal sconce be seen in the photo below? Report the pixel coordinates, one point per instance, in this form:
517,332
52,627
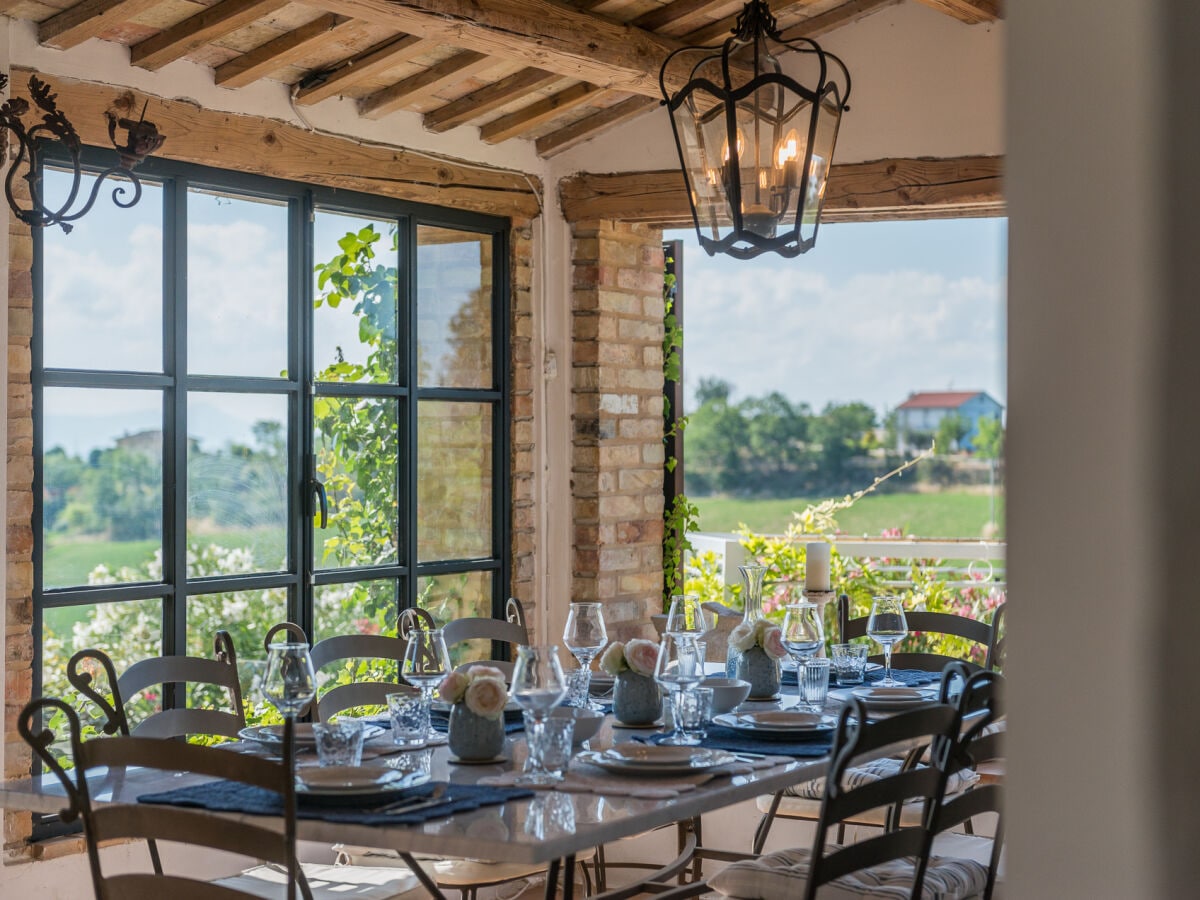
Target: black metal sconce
141,139
755,144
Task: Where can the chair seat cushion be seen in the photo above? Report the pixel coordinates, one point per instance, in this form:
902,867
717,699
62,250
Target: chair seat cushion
876,769
783,876
332,882
451,873
810,810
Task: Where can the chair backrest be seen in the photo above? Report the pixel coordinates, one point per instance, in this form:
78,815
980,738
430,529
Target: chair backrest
511,630
138,821
856,735
221,672
371,692
982,633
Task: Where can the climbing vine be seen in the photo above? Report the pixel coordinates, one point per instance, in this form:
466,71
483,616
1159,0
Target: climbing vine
680,515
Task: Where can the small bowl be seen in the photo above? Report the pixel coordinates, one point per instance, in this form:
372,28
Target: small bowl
728,693
587,721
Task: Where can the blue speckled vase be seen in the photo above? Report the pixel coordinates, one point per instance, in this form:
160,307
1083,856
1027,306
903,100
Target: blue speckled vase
637,699
762,670
474,737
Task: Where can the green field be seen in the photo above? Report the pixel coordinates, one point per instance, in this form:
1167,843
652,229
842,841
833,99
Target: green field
959,514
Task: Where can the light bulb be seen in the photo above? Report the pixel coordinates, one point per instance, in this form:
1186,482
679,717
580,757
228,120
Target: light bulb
788,149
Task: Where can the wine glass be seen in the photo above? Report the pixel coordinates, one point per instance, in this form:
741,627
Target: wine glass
885,627
585,636
803,635
686,616
426,662
537,687
680,667
289,683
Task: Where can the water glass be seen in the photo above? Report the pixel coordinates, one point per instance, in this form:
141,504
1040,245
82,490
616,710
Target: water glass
814,682
410,719
578,682
538,684
850,663
680,668
339,743
426,662
549,741
693,712
289,683
585,635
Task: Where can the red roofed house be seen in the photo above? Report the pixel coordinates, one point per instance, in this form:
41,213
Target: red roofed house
924,411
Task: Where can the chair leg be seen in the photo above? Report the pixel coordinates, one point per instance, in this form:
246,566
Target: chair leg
969,827
601,871
587,880
841,833
764,825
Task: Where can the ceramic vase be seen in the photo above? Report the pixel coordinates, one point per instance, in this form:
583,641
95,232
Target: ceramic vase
637,699
473,736
762,670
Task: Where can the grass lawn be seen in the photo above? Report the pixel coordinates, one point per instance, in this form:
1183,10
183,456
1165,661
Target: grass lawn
949,514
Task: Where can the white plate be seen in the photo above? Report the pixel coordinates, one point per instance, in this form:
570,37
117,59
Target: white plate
702,760
790,725
892,697
652,754
345,779
272,735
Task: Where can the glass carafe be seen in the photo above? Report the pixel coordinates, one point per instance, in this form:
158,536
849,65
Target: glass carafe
752,588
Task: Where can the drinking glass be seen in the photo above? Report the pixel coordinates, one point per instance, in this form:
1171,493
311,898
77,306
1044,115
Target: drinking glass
813,678
537,687
550,750
803,636
693,711
410,719
885,627
680,668
686,616
849,663
585,636
426,662
289,683
340,742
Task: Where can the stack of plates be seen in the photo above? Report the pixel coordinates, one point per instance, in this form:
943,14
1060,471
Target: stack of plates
272,735
895,698
777,725
655,759
353,784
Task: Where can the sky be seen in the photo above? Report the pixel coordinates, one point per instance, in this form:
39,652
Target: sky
875,311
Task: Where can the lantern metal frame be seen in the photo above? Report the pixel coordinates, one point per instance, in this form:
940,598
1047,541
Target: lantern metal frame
141,139
754,27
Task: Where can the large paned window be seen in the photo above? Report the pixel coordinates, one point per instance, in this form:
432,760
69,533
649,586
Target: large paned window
258,401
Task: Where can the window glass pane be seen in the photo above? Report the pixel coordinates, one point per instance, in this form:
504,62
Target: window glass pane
354,322
463,595
128,631
102,283
102,486
454,480
237,285
362,607
237,501
356,457
247,616
454,308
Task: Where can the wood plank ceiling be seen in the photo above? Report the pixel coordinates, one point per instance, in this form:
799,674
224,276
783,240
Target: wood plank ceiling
556,73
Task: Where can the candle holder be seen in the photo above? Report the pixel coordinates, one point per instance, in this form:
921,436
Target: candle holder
820,598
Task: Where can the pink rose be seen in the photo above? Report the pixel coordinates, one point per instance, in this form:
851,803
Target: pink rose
742,637
772,642
642,656
453,686
486,697
612,660
485,672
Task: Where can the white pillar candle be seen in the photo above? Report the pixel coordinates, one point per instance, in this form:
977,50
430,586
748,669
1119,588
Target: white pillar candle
816,569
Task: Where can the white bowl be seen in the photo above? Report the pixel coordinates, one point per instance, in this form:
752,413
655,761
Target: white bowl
587,721
728,693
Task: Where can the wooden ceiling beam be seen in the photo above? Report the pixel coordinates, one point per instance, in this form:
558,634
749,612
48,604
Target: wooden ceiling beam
282,51
530,117
542,34
883,189
87,20
679,17
448,71
577,132
318,86
973,12
203,28
489,98
839,17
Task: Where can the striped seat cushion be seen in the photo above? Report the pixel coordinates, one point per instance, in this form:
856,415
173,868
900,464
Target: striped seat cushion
876,769
783,875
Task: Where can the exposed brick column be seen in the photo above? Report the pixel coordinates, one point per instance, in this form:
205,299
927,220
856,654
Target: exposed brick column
617,453
524,478
18,614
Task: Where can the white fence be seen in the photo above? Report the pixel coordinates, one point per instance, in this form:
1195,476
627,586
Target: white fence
960,562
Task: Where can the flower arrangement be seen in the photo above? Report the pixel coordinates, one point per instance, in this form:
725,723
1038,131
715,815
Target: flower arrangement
481,688
760,633
639,656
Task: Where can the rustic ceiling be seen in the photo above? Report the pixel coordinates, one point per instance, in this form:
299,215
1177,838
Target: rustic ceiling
556,73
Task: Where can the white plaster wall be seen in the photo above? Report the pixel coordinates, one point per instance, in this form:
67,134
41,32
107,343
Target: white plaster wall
923,84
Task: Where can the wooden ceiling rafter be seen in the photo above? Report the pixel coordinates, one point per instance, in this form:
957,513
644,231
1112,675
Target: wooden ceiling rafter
282,51
422,84
584,129
87,20
972,12
488,99
530,117
204,27
325,83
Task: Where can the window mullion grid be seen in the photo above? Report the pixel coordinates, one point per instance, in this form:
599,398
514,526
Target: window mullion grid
300,366
406,487
175,303
501,427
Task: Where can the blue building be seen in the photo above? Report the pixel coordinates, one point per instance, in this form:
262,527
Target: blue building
923,412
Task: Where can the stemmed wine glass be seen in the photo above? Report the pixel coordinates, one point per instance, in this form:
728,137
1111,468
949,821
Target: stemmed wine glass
585,636
537,687
289,685
803,635
680,667
886,626
687,616
426,662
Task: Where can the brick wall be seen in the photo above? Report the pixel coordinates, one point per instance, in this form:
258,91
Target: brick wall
617,450
521,436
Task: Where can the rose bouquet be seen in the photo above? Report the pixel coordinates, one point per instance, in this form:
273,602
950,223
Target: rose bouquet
760,633
481,688
637,699
755,650
638,655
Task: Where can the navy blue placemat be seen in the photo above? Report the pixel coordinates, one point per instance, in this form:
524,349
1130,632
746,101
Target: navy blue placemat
439,720
233,796
907,677
721,738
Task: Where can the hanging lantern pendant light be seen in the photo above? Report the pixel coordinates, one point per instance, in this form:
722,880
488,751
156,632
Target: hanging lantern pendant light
755,144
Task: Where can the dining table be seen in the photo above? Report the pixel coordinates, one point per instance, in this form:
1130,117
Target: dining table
549,825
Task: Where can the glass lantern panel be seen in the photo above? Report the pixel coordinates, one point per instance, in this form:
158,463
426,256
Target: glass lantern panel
699,124
829,116
758,137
